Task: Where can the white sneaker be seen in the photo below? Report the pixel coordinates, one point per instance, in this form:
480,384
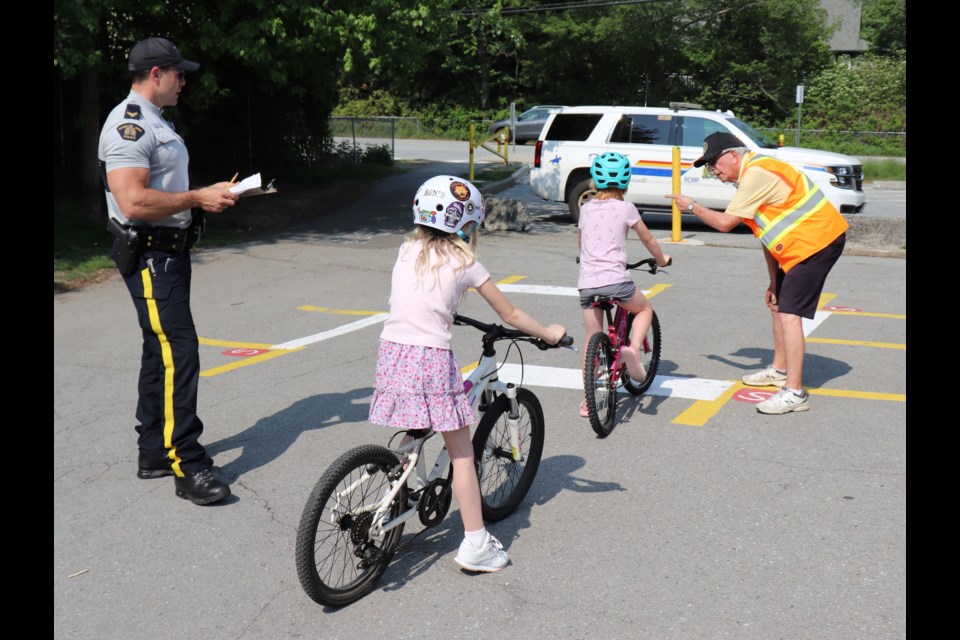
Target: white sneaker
490,557
784,401
765,378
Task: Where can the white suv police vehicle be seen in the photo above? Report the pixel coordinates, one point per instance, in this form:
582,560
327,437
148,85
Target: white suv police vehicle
573,136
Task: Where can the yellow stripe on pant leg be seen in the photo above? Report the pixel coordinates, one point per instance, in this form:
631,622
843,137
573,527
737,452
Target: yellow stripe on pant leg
168,369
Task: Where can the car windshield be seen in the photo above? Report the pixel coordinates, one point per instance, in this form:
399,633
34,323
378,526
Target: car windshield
759,137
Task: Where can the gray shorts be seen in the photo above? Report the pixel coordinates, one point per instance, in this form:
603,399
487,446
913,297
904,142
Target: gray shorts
619,292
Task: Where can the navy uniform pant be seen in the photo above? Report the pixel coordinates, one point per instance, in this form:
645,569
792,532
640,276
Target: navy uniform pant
170,363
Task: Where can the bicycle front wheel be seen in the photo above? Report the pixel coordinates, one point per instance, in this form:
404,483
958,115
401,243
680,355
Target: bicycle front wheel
504,482
337,562
649,354
601,394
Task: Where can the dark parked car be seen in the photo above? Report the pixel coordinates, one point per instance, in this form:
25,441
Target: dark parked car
529,123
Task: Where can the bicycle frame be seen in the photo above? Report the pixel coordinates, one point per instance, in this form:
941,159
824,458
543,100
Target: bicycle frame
481,387
618,329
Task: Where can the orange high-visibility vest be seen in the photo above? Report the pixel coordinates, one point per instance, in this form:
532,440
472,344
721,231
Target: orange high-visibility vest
796,229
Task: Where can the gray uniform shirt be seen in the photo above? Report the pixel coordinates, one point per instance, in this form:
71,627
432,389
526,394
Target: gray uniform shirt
136,135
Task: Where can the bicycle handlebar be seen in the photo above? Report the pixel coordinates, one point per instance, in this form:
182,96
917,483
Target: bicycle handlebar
500,332
649,262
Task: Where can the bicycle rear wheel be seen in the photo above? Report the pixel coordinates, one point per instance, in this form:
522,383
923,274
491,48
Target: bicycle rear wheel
337,562
504,482
649,354
601,394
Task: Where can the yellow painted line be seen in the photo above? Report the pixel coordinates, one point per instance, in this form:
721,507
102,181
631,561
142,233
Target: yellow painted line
470,367
654,290
698,413
342,312
825,298
859,343
895,316
236,345
862,395
246,362
511,279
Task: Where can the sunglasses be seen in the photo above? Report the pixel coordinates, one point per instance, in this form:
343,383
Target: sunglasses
712,163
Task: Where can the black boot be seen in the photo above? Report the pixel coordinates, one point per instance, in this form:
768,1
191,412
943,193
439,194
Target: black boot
153,465
201,487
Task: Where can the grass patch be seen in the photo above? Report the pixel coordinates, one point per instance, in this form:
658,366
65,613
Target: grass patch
889,169
497,172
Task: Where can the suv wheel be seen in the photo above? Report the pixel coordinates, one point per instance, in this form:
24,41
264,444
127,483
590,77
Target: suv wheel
581,193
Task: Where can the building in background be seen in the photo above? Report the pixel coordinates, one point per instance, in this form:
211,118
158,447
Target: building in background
846,40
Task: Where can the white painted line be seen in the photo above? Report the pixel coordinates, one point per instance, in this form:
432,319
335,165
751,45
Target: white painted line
810,325
333,333
545,290
541,289
666,386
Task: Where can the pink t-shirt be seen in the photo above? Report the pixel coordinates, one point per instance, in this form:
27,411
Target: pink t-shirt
421,314
604,225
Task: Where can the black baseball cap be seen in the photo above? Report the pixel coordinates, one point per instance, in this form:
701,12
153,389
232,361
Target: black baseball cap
158,52
715,144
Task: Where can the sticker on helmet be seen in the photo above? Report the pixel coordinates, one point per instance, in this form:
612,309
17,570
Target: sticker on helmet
433,193
428,216
470,206
460,191
453,214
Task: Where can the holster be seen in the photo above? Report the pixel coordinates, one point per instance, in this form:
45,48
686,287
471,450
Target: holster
129,247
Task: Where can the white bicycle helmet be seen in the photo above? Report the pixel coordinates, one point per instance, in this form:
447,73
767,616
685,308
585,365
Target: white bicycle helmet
447,203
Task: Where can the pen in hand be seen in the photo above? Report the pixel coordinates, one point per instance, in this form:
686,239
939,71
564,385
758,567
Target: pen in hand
232,180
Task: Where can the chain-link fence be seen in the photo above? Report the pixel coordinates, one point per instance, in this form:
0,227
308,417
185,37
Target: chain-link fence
853,143
361,133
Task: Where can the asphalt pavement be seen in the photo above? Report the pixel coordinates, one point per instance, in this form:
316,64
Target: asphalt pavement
696,518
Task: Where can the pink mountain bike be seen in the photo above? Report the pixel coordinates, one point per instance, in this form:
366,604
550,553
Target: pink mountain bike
605,370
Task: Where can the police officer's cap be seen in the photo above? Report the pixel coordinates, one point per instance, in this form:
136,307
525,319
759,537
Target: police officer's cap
158,52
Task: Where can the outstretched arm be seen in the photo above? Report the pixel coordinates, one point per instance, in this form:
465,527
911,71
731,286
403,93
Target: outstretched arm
651,244
719,220
137,201
517,317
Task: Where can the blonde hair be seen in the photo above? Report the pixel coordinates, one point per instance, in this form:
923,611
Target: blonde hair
448,247
610,193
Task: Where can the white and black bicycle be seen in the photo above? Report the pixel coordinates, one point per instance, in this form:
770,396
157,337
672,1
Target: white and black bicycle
353,520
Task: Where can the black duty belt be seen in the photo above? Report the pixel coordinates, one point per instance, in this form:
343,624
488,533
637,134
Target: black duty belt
166,238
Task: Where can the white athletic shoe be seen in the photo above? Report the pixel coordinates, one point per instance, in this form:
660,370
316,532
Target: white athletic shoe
490,557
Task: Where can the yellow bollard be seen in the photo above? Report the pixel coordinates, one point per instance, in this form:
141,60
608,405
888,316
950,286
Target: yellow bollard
675,233
471,151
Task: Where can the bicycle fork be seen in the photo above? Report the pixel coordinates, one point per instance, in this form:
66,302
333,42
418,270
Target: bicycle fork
513,423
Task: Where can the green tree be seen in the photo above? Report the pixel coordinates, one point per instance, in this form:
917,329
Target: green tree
883,23
749,55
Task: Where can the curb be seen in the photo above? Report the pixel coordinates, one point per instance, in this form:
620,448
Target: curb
500,185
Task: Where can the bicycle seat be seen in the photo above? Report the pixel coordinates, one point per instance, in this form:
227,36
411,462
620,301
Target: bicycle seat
602,302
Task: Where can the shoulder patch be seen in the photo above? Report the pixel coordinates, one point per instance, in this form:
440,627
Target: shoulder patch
132,111
132,132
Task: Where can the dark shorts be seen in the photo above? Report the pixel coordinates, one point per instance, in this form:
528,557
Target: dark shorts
798,292
619,292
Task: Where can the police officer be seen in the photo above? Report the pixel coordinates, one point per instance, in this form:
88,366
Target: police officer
144,166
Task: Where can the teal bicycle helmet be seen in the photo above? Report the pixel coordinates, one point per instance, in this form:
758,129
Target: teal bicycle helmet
610,170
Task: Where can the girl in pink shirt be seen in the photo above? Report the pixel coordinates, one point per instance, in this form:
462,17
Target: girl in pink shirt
605,222
418,382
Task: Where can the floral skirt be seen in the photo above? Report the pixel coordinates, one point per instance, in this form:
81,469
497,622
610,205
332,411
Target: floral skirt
419,388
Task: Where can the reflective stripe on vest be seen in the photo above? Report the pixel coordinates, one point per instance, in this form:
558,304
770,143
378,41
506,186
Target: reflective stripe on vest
772,231
780,226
